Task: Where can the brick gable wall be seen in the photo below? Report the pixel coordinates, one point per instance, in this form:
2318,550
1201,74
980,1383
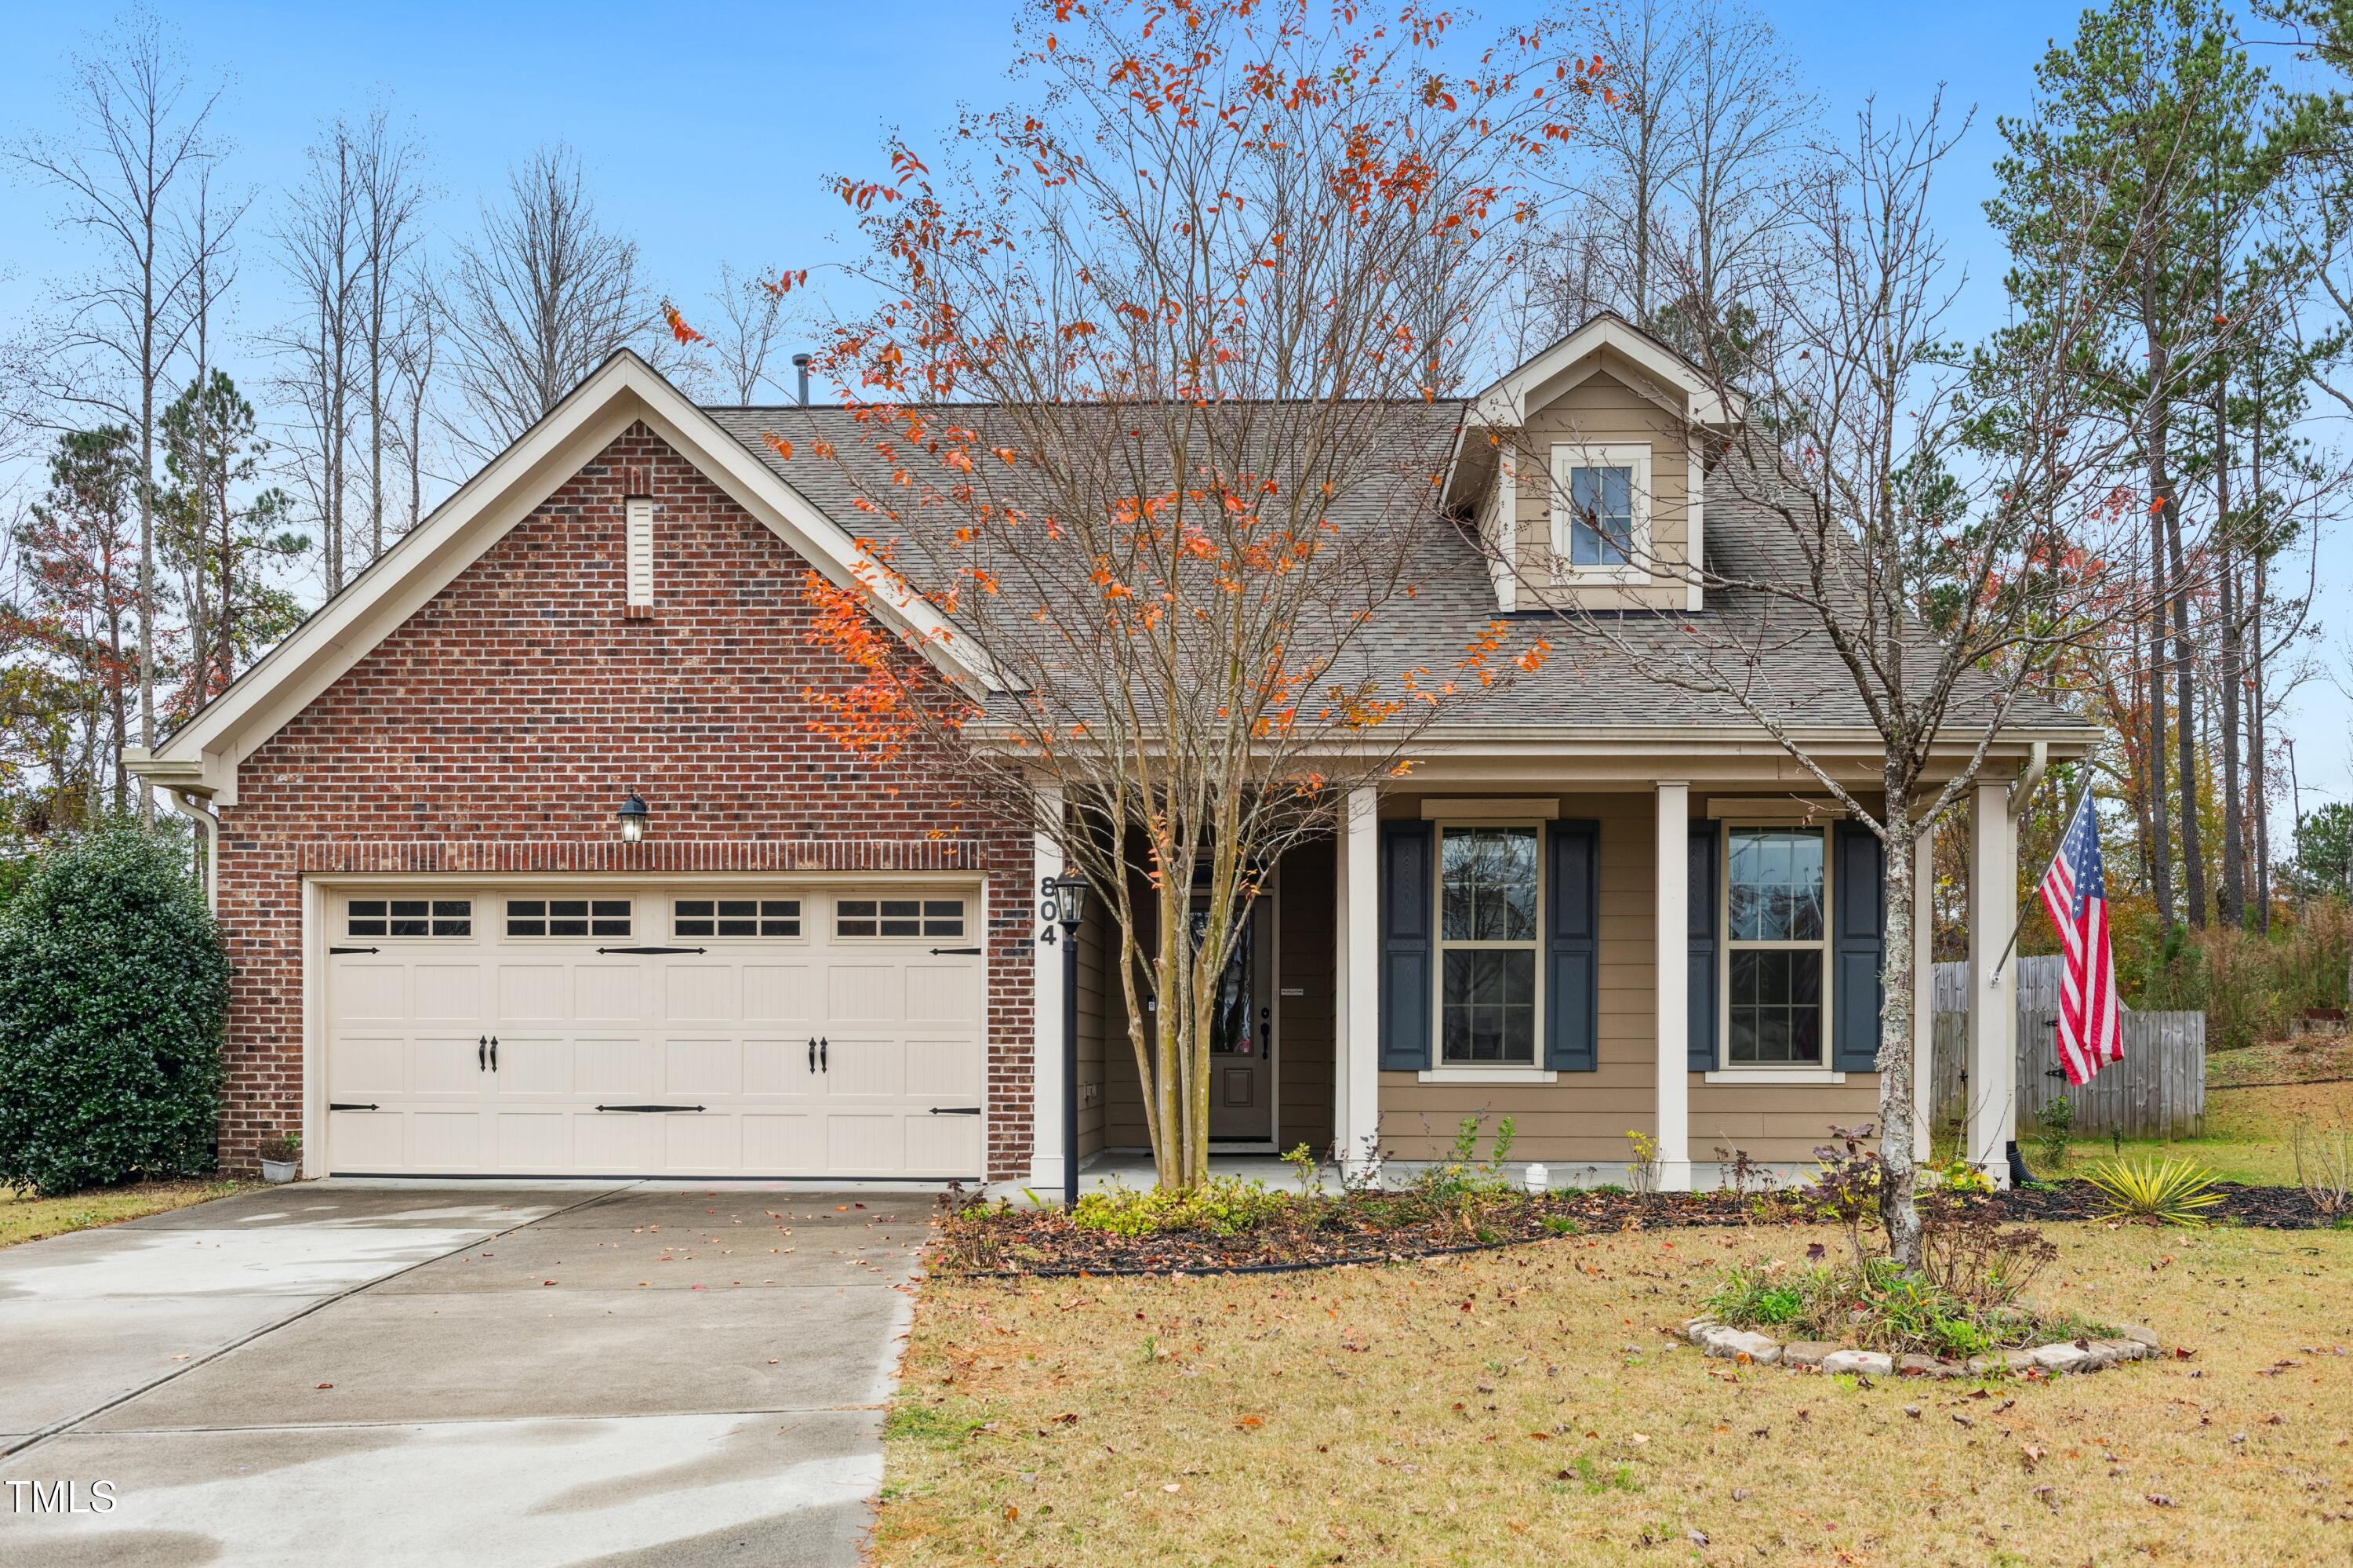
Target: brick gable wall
501,725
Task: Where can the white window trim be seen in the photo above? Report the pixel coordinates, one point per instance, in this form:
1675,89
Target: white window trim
1727,1070
1440,1070
1567,455
1501,1073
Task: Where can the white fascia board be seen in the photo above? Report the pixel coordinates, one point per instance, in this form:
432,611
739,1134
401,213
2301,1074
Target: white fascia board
504,492
1507,402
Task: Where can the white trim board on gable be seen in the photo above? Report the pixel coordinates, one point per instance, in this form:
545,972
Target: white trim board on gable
202,756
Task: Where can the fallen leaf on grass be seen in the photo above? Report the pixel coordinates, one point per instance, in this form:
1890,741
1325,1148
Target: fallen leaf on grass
1173,1487
1248,1423
326,1385
2160,1500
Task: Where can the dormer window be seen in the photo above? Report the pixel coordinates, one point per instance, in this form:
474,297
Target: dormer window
1600,510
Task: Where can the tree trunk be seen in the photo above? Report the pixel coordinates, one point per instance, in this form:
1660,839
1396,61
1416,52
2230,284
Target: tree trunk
1898,1211
2185,724
2258,759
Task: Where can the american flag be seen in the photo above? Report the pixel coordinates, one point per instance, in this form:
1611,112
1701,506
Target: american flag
2075,891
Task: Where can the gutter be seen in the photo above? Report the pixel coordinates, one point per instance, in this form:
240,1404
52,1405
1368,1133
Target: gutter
208,830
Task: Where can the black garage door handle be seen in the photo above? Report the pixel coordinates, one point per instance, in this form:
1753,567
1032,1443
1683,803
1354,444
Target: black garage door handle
345,1105
652,949
643,1111
955,1110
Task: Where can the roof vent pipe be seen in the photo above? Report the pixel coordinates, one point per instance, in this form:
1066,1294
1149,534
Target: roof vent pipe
801,364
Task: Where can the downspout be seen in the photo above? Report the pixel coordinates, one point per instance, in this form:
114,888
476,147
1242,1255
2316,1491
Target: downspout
208,830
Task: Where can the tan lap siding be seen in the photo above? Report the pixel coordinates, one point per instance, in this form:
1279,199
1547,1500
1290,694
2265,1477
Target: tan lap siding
1582,1118
1777,1123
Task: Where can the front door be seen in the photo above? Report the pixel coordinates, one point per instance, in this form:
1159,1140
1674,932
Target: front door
1241,1037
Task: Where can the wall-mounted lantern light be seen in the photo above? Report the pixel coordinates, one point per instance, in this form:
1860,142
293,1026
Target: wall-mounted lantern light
632,817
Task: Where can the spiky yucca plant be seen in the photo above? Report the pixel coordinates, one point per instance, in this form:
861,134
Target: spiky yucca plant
2175,1191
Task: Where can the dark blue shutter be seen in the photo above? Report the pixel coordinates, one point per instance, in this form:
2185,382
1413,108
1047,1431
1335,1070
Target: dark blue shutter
1701,923
1408,904
1573,950
1858,931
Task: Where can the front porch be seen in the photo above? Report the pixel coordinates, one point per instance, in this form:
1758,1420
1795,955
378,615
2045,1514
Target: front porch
1621,997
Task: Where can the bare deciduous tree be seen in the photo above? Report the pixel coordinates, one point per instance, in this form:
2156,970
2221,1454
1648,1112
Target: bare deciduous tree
1687,184
747,334
322,243
140,136
390,194
538,299
1937,531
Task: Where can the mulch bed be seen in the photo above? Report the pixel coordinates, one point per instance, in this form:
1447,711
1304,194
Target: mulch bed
1042,1243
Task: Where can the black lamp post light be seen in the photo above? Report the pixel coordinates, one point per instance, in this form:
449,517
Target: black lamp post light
1062,901
632,818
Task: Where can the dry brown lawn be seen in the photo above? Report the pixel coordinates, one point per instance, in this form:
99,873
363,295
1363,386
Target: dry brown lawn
1532,1406
23,1217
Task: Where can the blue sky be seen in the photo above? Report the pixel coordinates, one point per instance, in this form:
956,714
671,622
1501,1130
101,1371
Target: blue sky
707,130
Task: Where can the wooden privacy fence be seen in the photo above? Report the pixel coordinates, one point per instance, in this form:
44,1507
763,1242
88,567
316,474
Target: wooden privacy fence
2158,1090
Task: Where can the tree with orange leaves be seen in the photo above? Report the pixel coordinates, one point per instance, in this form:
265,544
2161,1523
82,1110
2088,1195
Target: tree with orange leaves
1149,415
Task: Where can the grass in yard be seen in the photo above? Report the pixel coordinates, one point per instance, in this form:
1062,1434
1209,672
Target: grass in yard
2311,1059
1533,1404
25,1218
2249,1134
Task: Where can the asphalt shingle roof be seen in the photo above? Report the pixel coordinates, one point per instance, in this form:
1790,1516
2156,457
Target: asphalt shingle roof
1594,676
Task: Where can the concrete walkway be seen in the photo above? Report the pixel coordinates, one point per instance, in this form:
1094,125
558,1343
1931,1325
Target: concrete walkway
411,1374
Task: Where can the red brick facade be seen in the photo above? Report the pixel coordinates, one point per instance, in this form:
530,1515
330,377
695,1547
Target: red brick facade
499,726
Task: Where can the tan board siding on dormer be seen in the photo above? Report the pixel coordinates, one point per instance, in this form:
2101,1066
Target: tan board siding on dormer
1604,410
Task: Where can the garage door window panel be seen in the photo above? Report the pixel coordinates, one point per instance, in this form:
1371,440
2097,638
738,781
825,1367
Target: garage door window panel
770,917
409,917
568,917
899,917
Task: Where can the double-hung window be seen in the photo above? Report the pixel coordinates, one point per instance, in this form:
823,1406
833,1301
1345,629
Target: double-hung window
1487,932
1600,508
1777,922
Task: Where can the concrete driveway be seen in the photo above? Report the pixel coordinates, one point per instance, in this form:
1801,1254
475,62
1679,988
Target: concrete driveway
337,1373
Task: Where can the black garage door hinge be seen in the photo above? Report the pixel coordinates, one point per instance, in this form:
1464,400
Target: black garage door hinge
350,949
647,1109
347,1104
652,949
960,952
955,1110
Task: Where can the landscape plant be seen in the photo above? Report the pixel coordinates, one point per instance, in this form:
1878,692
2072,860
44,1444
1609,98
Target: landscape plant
114,995
2172,1191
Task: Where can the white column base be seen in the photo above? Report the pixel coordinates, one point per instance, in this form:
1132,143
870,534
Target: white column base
1046,1172
1675,1175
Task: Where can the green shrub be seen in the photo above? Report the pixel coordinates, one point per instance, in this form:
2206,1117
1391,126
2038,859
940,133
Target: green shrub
1222,1206
114,993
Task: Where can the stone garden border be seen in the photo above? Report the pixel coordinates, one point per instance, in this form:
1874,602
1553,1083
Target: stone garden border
2131,1343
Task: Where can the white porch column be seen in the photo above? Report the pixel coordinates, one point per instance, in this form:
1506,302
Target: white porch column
1923,991
1672,963
1993,1005
1355,1113
1046,1017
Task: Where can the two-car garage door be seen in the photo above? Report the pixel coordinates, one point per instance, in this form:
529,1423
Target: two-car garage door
714,1031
